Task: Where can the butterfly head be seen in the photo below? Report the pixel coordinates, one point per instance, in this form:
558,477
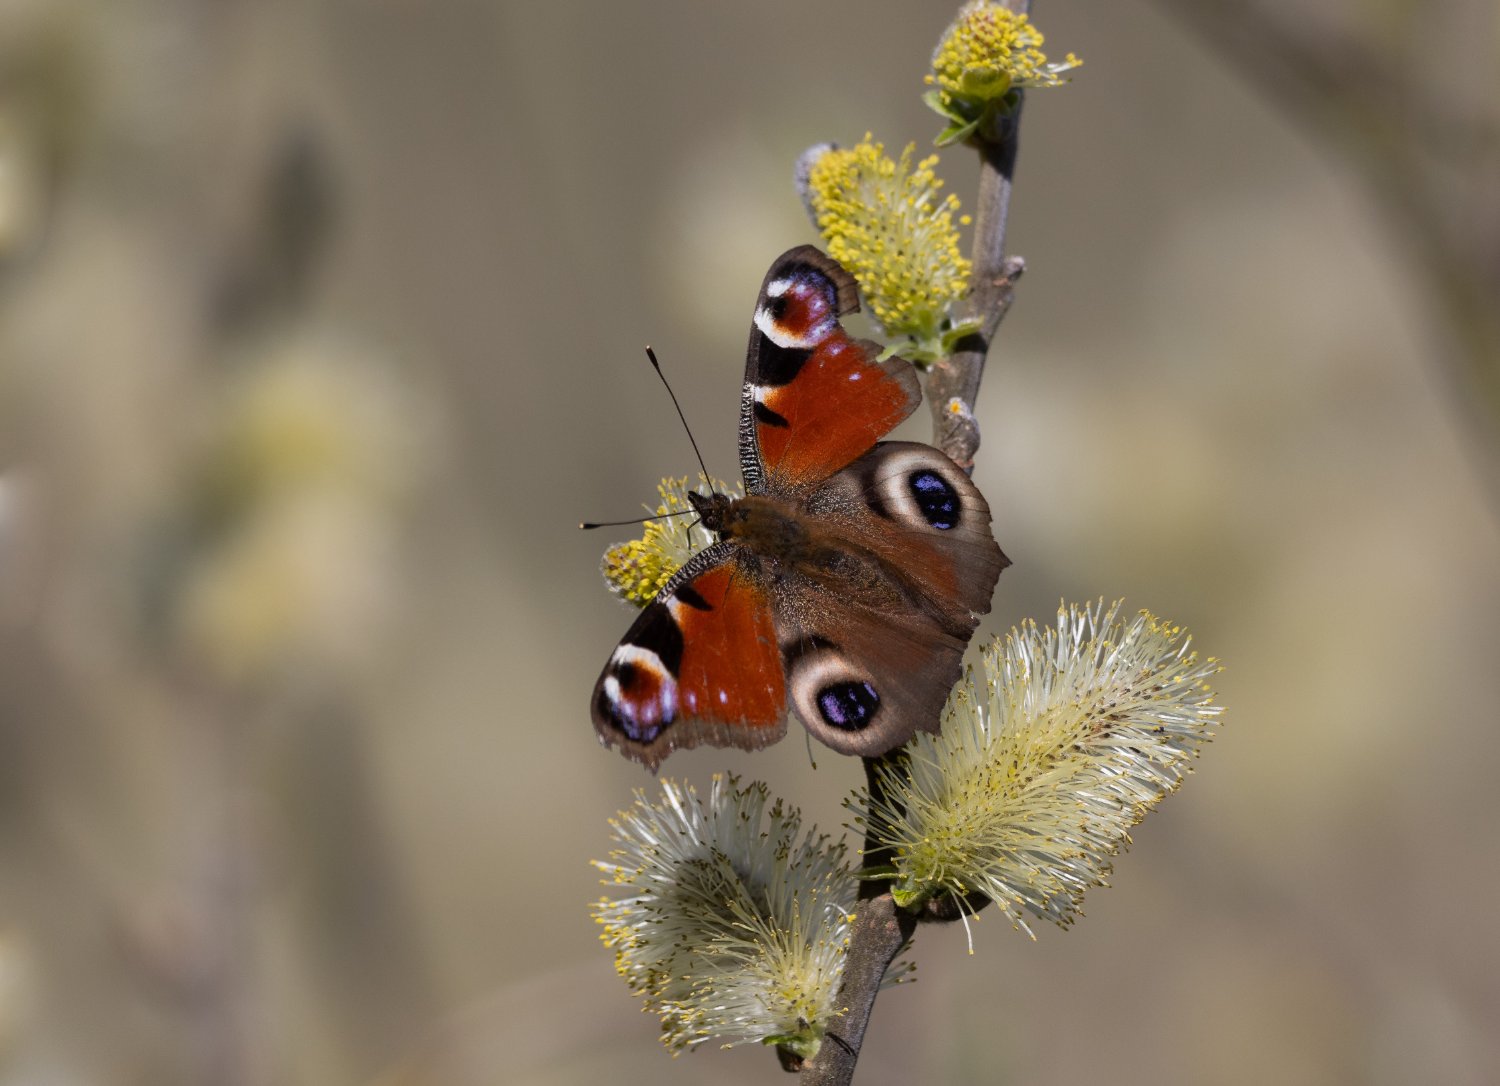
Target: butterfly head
713,510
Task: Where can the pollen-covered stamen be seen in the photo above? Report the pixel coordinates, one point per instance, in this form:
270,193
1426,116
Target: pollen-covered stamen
988,50
1047,758
888,222
729,920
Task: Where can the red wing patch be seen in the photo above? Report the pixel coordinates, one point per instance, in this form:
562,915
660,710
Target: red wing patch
731,667
700,665
835,410
815,400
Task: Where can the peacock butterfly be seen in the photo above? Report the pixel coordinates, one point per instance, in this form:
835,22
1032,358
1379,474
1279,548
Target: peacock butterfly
847,581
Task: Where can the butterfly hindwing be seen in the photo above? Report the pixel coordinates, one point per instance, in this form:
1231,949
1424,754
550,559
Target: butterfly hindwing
871,653
814,399
700,664
925,513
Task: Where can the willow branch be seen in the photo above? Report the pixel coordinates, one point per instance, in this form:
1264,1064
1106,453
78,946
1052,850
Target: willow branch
953,383
880,930
222,998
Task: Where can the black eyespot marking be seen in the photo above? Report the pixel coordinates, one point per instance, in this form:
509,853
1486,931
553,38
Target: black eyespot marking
689,595
848,705
937,500
627,674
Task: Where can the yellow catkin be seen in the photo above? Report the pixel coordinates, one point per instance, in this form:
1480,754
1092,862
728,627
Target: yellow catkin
988,50
887,222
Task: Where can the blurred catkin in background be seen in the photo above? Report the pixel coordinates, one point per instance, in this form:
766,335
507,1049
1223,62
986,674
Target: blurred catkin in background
320,330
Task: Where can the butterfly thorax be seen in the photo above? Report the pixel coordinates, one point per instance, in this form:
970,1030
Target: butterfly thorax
780,538
768,526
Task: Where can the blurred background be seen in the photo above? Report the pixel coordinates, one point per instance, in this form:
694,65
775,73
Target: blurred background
321,329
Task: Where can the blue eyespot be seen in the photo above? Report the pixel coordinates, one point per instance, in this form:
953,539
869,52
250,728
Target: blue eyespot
848,705
937,500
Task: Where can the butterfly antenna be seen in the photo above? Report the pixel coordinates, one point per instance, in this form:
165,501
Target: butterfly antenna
589,524
651,354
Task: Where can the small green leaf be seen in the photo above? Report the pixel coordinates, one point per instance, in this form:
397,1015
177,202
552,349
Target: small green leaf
912,898
939,103
959,332
956,133
805,1045
984,82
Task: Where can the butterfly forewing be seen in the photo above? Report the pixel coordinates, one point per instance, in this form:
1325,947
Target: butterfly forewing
814,399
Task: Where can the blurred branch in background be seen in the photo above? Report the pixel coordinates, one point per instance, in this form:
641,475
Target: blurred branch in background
1427,146
202,487
45,95
280,566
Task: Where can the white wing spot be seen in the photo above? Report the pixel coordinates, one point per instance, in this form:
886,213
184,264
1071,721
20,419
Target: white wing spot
640,657
780,335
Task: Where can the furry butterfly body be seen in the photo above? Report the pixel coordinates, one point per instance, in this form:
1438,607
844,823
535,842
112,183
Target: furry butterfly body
845,584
